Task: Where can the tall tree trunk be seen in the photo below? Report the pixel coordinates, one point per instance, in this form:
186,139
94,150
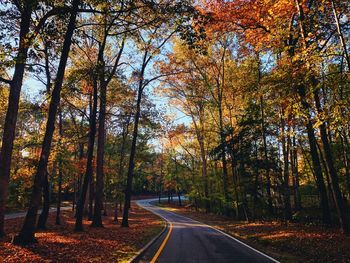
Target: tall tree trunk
200,139
344,146
235,183
285,150
326,171
60,172
89,161
12,108
46,191
310,129
233,167
116,212
130,175
74,193
77,181
179,196
340,34
97,218
90,199
294,158
324,203
80,176
256,181
59,193
340,205
178,191
267,166
121,160
122,148
160,179
46,204
26,234
223,160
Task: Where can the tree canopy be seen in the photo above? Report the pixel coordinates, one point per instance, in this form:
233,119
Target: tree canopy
243,106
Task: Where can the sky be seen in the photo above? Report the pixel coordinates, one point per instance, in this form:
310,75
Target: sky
32,89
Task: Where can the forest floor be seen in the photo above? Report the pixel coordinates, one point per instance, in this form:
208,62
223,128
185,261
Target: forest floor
286,242
61,244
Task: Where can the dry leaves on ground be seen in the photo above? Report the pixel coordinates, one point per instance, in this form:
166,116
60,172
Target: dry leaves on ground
61,244
287,242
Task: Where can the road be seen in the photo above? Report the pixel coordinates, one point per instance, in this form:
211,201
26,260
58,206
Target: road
187,240
23,214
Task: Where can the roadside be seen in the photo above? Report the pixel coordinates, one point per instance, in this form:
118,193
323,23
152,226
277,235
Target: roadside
21,213
61,244
286,242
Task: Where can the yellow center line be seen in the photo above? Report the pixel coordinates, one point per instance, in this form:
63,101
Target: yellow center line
154,259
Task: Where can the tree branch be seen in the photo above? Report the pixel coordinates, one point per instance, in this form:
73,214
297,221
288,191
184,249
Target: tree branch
7,81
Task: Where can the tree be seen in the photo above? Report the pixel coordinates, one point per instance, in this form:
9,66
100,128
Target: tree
25,8
26,234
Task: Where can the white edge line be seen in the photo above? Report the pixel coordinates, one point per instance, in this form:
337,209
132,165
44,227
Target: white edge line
227,235
145,247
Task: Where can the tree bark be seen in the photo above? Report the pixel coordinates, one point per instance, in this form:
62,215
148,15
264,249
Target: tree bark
60,173
90,199
200,138
294,158
179,197
130,175
324,202
89,166
26,235
97,217
267,166
344,146
223,160
285,150
12,108
340,34
340,205
121,159
256,182
46,204
116,212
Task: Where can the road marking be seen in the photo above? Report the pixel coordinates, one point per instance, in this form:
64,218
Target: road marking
154,259
149,208
225,234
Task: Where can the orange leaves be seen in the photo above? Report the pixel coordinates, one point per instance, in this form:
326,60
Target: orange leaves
61,244
260,21
86,87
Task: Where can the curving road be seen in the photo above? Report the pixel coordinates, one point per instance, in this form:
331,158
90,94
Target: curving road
187,240
23,214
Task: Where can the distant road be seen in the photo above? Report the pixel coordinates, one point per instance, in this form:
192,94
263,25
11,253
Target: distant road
187,240
23,214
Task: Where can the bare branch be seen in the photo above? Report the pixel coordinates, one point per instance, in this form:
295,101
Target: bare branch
7,81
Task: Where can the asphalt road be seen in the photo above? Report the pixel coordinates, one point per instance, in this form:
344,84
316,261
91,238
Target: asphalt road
23,214
192,241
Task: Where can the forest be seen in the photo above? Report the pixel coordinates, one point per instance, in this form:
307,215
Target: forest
240,106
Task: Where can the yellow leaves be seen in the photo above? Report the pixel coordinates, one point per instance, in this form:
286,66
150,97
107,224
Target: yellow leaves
25,174
4,93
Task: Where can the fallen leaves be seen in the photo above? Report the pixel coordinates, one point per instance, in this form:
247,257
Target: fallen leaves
61,244
287,242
